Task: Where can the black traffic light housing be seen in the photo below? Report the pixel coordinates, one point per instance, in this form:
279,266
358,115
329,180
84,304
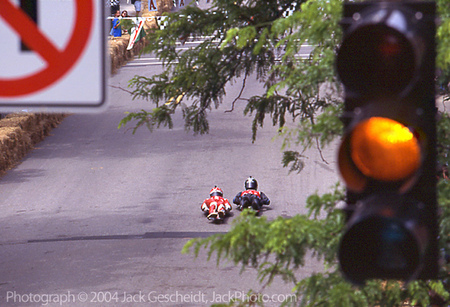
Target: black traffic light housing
387,158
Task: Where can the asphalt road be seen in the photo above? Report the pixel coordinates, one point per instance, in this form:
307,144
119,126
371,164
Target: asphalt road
98,216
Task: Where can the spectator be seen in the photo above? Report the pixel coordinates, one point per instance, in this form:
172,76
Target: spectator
137,6
116,29
124,15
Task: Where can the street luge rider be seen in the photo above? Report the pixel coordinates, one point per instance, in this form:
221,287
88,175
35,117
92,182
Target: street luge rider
216,206
251,197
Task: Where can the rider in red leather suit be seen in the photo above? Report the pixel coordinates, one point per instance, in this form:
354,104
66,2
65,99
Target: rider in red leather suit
216,206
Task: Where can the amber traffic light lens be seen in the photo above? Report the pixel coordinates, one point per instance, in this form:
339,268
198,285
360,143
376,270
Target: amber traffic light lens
384,149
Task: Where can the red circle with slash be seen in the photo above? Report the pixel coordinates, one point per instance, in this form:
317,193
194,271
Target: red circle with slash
58,62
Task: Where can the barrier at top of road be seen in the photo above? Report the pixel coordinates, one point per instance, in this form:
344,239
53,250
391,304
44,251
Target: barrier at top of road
138,18
160,20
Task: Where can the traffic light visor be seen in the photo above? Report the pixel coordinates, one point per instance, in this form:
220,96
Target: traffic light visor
379,149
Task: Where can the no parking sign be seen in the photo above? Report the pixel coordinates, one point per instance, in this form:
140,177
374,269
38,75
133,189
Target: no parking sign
63,67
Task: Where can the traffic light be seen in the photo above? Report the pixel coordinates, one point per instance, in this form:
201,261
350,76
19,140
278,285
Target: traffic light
387,158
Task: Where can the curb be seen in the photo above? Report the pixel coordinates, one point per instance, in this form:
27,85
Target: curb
20,132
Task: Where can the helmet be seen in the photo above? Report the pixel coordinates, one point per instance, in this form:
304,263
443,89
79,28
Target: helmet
216,191
251,183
